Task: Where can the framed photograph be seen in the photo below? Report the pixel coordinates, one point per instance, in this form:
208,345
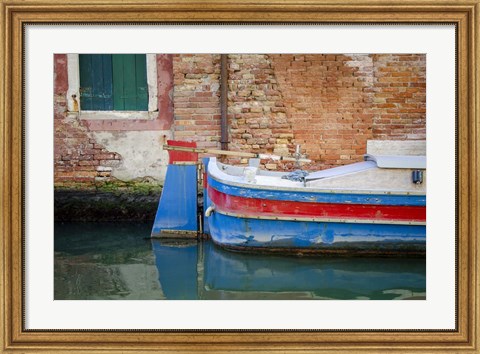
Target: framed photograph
322,230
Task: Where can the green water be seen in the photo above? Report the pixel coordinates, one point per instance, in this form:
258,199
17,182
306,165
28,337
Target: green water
118,261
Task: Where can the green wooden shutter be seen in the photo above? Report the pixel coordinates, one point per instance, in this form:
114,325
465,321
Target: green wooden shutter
113,82
141,81
96,82
130,90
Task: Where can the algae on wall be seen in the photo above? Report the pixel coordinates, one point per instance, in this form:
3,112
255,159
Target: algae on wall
110,201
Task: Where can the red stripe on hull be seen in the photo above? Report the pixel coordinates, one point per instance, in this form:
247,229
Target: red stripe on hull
235,204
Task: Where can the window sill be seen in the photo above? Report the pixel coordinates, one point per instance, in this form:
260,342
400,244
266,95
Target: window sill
121,121
118,115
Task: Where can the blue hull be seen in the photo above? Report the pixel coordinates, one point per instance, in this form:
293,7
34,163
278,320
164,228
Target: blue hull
251,234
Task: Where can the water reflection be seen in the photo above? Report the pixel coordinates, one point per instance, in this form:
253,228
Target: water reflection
316,278
117,261
95,261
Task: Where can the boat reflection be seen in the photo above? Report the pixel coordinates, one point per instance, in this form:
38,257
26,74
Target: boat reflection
204,271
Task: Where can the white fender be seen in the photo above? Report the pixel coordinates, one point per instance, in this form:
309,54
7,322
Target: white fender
209,211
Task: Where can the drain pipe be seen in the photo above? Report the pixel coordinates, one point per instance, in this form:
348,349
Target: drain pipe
223,101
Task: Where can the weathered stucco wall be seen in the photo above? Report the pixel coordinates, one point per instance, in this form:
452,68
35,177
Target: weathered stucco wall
141,152
93,150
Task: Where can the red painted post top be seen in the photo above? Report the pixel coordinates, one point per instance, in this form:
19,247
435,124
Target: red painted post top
182,156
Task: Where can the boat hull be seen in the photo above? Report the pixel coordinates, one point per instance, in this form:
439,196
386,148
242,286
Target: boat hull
304,237
299,220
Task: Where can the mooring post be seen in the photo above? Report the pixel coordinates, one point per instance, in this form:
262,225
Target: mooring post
177,213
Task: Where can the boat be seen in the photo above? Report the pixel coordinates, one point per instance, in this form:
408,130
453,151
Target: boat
373,207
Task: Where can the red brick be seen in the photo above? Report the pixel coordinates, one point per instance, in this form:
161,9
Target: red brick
103,156
329,102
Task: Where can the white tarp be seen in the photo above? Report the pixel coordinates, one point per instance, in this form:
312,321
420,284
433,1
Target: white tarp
388,161
342,170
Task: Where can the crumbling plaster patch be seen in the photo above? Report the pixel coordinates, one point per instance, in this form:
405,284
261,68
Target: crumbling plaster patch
141,152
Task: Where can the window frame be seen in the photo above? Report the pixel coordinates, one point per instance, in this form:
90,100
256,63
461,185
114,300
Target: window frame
75,104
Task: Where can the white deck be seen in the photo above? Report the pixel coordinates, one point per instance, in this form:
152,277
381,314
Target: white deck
362,177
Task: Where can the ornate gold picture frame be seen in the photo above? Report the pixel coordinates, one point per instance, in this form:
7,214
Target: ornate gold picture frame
16,14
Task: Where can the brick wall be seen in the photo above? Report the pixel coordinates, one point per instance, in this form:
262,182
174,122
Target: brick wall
77,157
327,100
257,114
329,104
399,104
196,98
335,103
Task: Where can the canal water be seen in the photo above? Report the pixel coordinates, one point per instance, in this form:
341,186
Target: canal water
118,261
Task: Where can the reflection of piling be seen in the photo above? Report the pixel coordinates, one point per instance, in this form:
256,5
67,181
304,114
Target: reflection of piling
200,270
176,261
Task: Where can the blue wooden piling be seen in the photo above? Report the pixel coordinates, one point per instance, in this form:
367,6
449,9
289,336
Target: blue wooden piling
177,210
